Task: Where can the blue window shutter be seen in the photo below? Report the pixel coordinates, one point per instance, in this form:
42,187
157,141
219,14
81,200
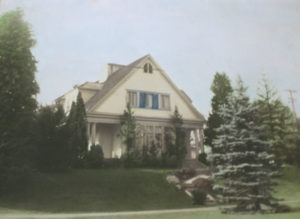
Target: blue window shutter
142,100
154,101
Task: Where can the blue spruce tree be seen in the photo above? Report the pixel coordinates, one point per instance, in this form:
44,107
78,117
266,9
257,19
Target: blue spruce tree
244,163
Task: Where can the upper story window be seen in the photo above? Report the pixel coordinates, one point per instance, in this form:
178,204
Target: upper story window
133,99
165,101
148,100
148,68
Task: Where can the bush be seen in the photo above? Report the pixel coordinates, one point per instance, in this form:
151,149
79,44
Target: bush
169,161
132,159
199,197
52,149
94,157
112,163
185,174
150,156
203,158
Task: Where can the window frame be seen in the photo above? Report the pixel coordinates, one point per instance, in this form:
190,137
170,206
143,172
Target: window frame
154,97
148,68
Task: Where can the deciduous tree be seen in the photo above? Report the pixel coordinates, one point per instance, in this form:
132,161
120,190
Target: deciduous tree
18,87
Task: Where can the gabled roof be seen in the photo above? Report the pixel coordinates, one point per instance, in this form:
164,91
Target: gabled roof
120,75
111,82
91,85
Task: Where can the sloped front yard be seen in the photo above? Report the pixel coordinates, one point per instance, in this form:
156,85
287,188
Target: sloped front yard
97,191
111,190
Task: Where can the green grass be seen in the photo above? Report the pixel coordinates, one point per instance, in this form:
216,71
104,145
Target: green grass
111,190
289,184
98,190
211,215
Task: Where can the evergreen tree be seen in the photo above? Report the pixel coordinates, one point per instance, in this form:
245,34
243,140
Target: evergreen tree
179,146
275,121
18,89
221,87
128,129
133,156
76,123
244,162
175,144
81,127
51,139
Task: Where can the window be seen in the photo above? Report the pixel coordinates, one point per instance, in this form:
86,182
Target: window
149,100
132,98
154,101
165,102
148,68
142,100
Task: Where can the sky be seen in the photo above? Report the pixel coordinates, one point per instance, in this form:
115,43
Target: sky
191,40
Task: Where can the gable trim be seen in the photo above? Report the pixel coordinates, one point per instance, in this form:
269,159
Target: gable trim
142,61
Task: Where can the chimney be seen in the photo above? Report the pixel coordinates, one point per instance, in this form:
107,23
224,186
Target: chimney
111,68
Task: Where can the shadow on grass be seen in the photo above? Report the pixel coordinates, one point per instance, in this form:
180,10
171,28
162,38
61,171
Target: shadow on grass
295,209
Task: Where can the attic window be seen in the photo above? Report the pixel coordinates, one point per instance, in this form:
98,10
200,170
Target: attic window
148,68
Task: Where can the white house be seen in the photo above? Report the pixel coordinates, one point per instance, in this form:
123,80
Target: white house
153,97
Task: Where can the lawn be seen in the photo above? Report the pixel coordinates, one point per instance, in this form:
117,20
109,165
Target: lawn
98,190
113,190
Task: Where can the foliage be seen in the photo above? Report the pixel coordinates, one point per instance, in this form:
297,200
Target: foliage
18,89
199,197
294,152
244,162
186,173
179,134
132,157
52,140
95,157
203,158
128,129
76,123
150,156
221,88
275,120
112,163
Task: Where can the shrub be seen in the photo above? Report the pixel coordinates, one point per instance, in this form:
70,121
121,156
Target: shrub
150,156
185,174
94,157
52,151
169,161
203,158
132,159
199,197
112,163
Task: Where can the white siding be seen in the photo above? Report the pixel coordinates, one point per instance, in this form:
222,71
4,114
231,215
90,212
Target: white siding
154,82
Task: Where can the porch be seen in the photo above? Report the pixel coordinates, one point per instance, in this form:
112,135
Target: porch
107,135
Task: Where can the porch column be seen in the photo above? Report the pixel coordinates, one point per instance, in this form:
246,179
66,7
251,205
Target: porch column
88,134
201,140
188,143
93,133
